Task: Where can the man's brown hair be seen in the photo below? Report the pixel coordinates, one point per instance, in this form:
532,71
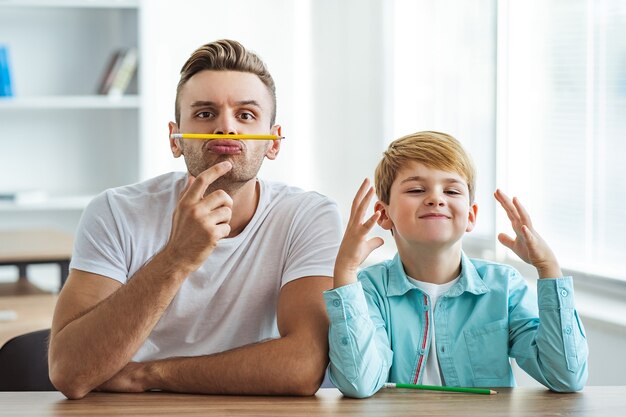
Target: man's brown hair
225,55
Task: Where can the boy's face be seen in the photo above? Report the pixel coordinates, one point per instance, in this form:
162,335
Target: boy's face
428,206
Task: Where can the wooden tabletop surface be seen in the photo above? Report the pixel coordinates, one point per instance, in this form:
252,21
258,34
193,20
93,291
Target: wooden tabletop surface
25,313
35,245
531,402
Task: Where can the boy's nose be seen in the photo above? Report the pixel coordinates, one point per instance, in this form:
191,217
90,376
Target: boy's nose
434,199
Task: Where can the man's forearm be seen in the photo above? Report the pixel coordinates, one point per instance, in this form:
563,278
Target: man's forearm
292,365
93,347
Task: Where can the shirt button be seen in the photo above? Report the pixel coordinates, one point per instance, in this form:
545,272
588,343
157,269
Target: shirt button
425,308
568,330
344,341
564,293
336,303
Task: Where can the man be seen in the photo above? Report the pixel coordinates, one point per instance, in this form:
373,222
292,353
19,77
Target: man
208,281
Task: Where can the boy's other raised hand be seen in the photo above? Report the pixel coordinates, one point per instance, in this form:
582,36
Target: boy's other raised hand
355,247
528,244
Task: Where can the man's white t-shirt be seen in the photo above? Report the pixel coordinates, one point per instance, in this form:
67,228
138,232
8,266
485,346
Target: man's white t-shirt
231,300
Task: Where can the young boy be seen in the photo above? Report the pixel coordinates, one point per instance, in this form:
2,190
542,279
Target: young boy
432,315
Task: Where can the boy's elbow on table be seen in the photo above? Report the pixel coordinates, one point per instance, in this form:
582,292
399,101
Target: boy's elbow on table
356,389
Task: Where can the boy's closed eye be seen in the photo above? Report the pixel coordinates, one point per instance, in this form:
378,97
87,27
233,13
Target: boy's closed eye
454,192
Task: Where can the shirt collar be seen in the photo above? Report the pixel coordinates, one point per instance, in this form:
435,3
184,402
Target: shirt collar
470,280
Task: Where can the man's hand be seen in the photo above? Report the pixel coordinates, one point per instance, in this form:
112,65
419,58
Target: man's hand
128,379
200,221
528,244
355,248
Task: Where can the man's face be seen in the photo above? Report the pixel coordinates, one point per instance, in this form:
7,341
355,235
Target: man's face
428,206
225,102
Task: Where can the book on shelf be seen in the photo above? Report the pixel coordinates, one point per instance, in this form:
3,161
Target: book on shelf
119,72
6,88
24,196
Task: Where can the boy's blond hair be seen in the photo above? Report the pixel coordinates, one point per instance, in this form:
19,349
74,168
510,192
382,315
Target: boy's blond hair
434,149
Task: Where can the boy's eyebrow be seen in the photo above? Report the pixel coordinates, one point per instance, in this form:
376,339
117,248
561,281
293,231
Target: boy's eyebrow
418,178
208,103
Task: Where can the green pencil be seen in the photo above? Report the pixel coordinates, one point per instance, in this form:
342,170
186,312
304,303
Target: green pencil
483,391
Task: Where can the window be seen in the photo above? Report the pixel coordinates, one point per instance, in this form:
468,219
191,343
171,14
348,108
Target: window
562,125
443,78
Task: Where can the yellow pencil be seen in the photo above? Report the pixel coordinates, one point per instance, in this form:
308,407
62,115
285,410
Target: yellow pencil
206,136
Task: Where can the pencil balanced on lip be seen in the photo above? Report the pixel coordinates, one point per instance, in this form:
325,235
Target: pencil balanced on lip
206,136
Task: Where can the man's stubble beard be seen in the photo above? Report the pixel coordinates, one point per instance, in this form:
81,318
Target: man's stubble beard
230,182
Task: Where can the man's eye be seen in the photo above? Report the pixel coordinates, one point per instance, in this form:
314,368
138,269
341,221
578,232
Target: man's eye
246,116
205,115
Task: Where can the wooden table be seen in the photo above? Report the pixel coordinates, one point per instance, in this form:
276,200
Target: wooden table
531,402
38,246
30,313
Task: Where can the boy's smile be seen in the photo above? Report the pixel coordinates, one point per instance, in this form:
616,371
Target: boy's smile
428,206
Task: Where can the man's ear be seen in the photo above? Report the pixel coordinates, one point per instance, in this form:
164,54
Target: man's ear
471,217
383,221
274,148
175,146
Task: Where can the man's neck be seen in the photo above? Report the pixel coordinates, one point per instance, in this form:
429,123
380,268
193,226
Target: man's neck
435,265
245,201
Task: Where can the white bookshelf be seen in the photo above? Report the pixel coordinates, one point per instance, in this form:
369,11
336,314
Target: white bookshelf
70,102
58,135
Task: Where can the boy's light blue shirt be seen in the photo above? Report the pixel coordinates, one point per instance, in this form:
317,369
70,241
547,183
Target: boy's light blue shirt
379,330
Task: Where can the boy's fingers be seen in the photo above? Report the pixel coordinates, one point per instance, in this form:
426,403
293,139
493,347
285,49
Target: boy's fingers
369,223
374,243
364,204
356,202
506,203
506,240
524,216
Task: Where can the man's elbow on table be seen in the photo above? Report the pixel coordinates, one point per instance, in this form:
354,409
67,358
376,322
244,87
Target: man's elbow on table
306,373
66,381
304,384
68,388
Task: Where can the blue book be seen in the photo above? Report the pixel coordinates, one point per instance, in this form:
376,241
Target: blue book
6,89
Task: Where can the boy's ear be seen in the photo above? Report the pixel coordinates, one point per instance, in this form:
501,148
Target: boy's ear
177,150
471,217
383,221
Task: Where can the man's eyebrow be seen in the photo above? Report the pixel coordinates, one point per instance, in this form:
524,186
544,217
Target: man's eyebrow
418,178
248,103
205,103
201,103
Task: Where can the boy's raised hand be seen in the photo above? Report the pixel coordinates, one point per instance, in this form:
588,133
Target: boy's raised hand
528,244
355,247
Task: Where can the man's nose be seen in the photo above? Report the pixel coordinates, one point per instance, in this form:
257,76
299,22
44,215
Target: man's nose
225,126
